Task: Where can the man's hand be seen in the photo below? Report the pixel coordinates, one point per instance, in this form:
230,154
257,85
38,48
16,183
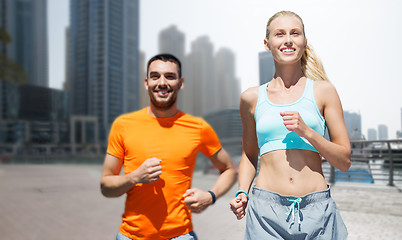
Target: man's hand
149,171
197,200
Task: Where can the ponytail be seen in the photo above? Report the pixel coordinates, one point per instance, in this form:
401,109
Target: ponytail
312,66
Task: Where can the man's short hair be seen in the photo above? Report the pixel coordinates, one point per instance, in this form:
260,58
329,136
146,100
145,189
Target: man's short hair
166,57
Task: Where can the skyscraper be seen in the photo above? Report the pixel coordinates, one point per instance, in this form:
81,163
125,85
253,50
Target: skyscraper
200,72
353,124
227,84
371,134
103,59
26,22
267,66
382,132
172,41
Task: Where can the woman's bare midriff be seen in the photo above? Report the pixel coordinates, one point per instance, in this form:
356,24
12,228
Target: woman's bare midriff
291,172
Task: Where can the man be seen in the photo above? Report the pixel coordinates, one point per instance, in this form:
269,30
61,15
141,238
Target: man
158,146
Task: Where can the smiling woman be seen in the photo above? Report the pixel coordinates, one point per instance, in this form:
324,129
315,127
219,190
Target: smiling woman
284,122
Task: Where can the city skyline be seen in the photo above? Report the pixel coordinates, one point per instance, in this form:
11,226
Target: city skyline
352,48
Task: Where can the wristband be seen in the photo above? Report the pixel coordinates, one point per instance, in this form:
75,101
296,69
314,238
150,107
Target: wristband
213,196
242,191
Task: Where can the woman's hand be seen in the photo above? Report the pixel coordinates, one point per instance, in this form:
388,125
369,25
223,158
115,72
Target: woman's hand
294,122
238,205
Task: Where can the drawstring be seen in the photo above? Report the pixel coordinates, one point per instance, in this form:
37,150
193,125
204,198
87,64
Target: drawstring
292,210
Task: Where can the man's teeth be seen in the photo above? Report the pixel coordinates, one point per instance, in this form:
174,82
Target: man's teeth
288,50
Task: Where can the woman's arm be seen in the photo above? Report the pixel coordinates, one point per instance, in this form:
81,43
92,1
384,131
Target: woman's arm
337,150
249,157
250,150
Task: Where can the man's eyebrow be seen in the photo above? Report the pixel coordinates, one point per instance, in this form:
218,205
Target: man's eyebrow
171,73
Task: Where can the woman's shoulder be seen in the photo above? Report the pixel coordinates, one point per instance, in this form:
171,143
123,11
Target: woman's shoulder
248,99
323,85
250,95
325,92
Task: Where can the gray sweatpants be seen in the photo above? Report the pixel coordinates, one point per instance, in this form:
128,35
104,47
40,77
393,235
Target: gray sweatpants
273,216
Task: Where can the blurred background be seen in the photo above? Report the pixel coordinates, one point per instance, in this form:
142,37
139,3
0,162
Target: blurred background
70,67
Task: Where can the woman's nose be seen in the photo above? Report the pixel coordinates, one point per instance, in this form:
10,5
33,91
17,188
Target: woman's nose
288,39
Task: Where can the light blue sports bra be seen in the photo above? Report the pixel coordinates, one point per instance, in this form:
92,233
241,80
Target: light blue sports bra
271,132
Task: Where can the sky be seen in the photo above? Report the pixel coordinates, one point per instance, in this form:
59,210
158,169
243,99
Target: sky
356,40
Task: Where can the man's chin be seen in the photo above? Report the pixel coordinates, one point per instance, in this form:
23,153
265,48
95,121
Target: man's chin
163,105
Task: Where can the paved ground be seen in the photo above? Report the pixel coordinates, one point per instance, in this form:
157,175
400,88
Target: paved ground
64,202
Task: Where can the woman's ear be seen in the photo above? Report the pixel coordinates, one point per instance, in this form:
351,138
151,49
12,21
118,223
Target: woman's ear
266,44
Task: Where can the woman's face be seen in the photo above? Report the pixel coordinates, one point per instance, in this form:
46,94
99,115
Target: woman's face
286,39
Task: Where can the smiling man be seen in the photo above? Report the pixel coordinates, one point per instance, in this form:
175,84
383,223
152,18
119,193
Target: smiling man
158,146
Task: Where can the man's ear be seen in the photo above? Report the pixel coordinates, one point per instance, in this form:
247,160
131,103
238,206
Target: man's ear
181,82
146,83
266,44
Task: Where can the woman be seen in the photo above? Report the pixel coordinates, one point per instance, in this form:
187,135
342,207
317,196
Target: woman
283,124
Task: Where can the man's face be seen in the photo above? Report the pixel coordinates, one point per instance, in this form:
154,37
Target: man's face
163,84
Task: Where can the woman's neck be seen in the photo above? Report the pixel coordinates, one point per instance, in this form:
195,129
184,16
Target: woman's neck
288,74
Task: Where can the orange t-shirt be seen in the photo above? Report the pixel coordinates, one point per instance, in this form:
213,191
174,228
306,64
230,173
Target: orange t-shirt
157,210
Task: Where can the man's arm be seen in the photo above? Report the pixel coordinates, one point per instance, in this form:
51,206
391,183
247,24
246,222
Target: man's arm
198,200
114,185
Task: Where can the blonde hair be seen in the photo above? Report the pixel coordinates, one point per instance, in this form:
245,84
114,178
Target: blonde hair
311,64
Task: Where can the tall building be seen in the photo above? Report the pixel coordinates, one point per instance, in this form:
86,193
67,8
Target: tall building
227,84
172,41
26,22
371,134
353,124
267,66
201,91
382,132
103,59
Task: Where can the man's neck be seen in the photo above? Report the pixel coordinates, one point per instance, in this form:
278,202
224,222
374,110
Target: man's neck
162,113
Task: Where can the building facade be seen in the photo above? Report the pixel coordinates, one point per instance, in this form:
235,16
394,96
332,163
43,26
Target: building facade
371,134
103,59
26,22
37,115
382,132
